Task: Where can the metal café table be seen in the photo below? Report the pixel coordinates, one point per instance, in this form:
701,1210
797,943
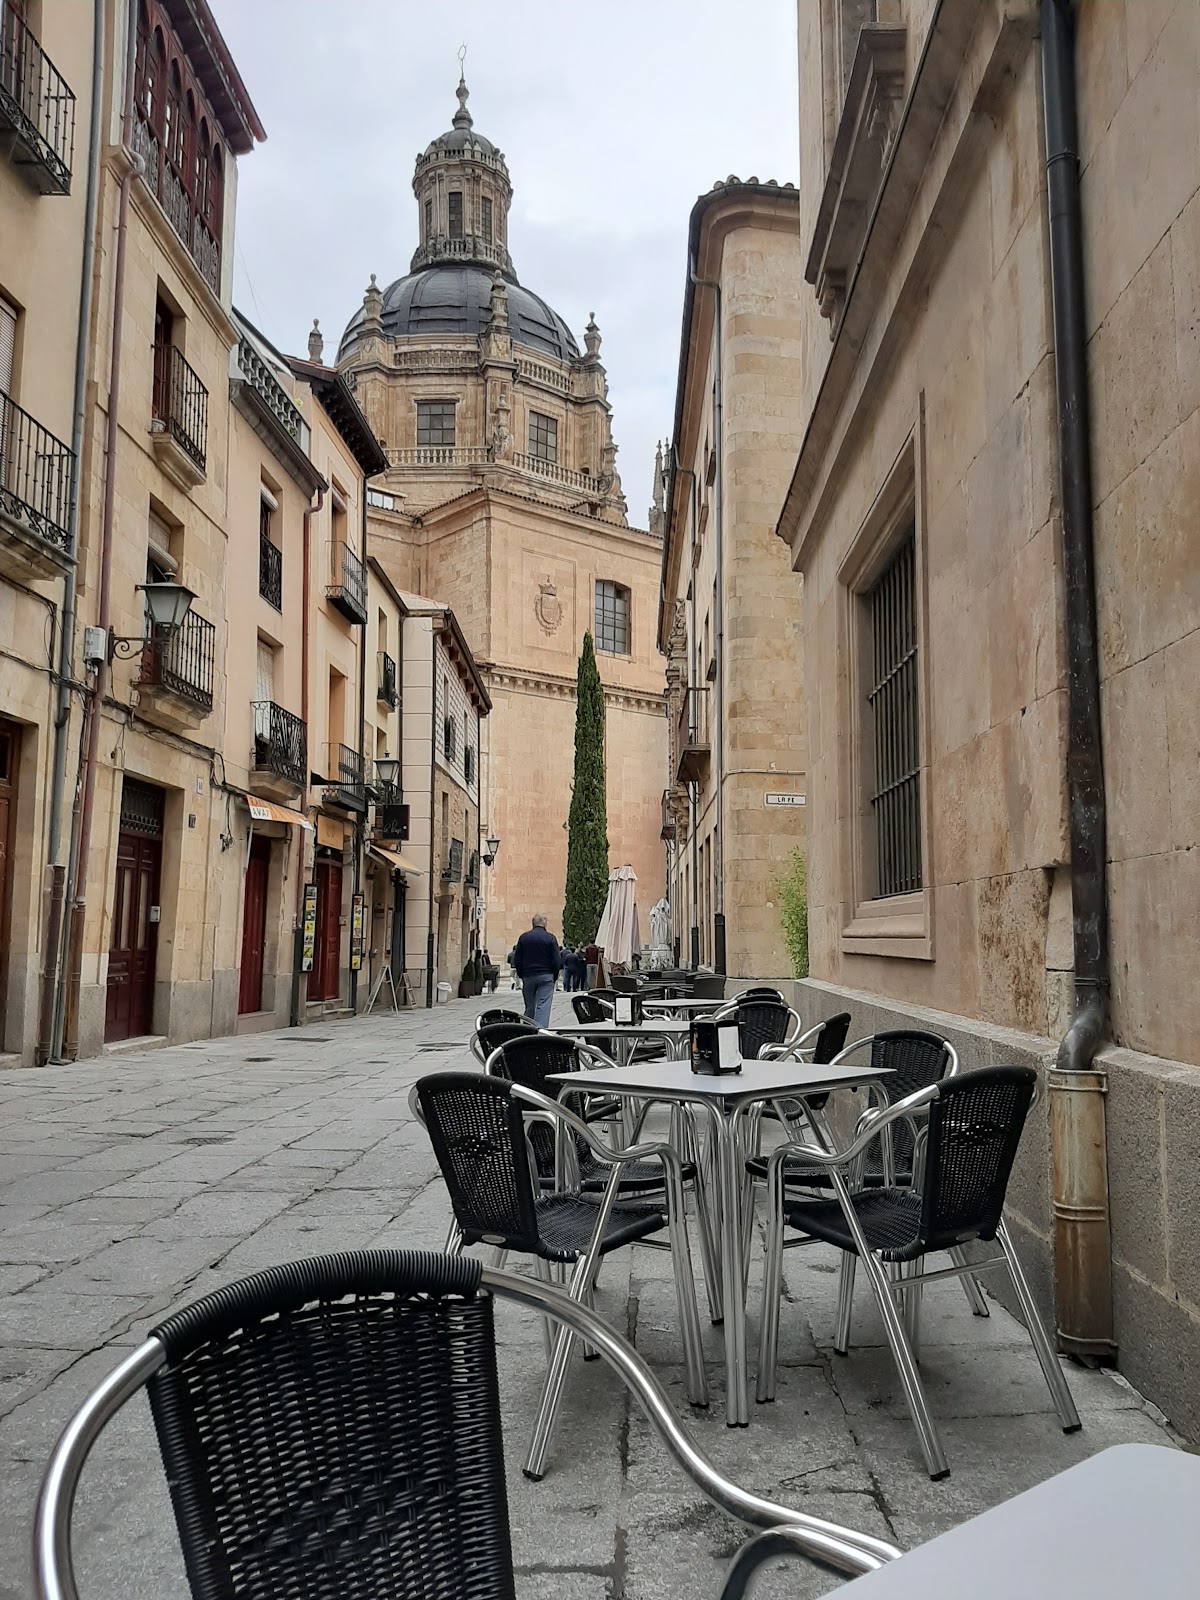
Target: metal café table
1120,1524
623,1036
724,1098
685,1008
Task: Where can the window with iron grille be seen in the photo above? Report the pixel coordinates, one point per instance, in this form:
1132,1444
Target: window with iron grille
456,214
612,618
435,421
895,724
543,437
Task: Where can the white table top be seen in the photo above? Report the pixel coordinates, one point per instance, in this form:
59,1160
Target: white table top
758,1080
1119,1525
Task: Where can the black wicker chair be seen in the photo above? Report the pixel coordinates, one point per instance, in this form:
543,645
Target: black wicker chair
760,992
762,1022
331,1429
477,1128
591,1008
972,1124
499,1014
708,986
489,1036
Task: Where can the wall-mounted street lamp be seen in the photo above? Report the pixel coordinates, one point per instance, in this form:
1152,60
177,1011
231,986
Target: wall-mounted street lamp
387,770
489,855
167,604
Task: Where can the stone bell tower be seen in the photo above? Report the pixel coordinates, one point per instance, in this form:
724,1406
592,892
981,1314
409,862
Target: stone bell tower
463,194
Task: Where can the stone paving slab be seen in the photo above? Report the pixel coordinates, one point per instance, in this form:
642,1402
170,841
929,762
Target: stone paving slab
132,1185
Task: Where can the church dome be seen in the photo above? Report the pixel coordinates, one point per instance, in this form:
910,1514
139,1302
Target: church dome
455,300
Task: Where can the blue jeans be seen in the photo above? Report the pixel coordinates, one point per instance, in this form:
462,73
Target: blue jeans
538,992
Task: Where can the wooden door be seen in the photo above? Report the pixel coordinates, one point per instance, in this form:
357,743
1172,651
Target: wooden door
129,1012
10,745
323,980
254,926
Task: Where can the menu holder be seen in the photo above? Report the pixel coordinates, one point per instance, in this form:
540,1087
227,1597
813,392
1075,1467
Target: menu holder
627,1009
715,1048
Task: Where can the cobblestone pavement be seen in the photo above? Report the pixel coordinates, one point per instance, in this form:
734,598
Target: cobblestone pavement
133,1184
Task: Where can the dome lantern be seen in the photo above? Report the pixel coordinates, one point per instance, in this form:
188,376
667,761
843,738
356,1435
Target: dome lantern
463,194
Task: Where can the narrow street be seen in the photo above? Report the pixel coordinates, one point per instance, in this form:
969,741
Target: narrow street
134,1183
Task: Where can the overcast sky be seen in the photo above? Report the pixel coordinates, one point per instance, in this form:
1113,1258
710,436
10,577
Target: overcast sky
613,116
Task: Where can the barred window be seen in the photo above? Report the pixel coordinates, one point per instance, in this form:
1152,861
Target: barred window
428,218
485,219
456,214
895,718
612,618
435,421
543,437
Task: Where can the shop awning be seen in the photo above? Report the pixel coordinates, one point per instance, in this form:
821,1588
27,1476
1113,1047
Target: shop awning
393,858
268,811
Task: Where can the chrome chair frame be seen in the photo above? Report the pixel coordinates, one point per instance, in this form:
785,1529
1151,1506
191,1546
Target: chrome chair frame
886,1289
838,1548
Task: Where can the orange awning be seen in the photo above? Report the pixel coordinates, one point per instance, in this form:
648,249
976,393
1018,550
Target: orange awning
268,811
393,858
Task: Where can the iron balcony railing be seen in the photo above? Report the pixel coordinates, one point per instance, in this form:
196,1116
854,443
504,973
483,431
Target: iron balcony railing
280,742
347,586
36,106
691,736
267,386
270,572
452,871
180,402
345,774
387,679
168,187
182,662
471,881
35,475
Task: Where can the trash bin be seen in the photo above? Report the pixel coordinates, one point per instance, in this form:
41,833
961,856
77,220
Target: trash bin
443,993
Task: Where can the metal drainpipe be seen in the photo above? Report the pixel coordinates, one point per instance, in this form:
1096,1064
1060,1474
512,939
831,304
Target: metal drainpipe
433,821
719,962
1077,1084
66,1001
693,806
360,824
310,511
66,638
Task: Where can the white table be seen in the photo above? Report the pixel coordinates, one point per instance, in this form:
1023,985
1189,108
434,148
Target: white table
1119,1525
724,1098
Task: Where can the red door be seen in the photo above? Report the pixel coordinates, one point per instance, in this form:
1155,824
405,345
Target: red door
323,981
130,1006
254,926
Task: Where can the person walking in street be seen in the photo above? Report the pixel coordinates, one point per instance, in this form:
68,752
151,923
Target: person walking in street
536,962
591,957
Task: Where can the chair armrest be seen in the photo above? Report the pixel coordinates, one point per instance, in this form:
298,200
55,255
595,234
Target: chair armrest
772,1542
614,1158
841,1158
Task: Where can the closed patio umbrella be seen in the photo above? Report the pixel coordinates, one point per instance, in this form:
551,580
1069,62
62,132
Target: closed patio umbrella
618,934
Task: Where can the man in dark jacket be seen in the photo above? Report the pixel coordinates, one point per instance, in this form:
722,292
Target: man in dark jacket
537,961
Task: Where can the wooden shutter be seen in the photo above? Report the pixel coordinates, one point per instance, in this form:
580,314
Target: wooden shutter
8,345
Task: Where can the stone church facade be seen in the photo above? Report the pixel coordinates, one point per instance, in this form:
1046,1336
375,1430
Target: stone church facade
502,499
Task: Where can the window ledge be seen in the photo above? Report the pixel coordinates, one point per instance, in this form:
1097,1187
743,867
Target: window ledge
898,927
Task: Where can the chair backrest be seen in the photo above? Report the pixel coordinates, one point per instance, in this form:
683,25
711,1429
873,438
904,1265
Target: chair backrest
832,1038
975,1126
913,1059
332,1427
491,1035
591,1008
623,983
478,1136
530,1058
498,1014
762,1022
761,993
708,988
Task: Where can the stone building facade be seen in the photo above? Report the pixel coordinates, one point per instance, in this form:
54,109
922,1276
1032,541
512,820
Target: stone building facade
729,613
925,516
502,498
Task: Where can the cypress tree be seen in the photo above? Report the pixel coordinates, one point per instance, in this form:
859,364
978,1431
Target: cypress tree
587,829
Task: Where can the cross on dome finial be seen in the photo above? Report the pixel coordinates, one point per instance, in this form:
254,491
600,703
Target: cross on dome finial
462,117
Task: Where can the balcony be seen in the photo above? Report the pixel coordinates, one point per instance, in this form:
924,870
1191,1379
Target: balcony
471,880
185,217
279,760
391,817
452,871
347,586
177,669
179,429
35,494
270,572
692,750
36,108
386,693
345,778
